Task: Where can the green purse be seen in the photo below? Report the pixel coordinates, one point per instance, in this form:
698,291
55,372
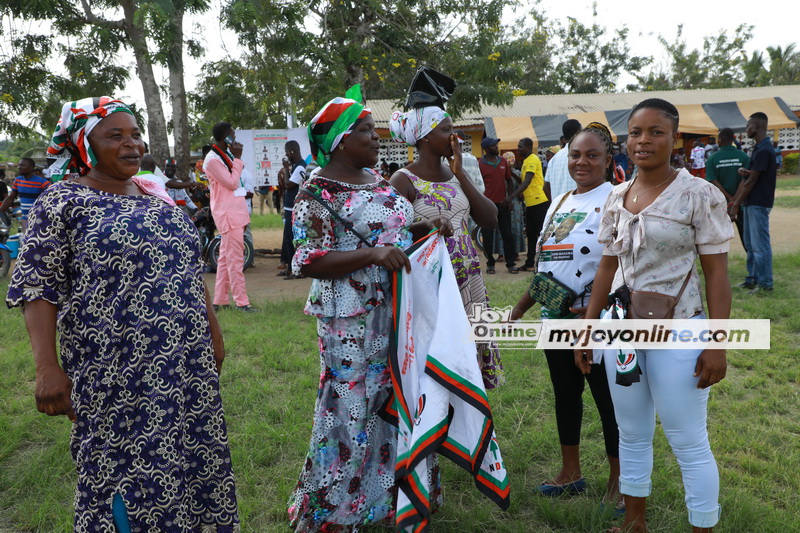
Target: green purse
544,288
552,294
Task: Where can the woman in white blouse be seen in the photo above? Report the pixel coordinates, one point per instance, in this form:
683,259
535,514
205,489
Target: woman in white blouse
568,250
653,228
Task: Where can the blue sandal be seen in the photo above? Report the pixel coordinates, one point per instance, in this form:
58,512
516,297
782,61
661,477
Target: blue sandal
549,488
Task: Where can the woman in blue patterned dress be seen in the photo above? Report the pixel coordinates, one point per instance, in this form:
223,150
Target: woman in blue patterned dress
114,267
348,477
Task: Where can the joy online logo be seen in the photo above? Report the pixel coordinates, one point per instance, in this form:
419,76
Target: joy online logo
489,315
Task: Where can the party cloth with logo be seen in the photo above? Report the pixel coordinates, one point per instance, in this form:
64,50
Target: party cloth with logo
439,398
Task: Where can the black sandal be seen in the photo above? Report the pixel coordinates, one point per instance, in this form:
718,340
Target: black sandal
490,270
513,270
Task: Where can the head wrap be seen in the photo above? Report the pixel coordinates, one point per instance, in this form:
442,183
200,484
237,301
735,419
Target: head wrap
554,149
333,123
412,126
168,162
70,143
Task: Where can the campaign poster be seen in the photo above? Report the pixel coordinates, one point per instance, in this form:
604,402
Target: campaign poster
264,151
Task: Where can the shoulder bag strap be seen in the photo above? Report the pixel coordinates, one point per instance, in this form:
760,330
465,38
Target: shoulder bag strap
346,223
543,237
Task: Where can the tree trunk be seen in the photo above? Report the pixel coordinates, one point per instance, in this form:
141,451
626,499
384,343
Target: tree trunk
177,93
156,125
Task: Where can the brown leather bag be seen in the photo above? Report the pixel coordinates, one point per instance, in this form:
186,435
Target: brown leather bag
654,305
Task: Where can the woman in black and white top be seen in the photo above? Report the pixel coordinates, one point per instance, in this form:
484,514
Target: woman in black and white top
569,251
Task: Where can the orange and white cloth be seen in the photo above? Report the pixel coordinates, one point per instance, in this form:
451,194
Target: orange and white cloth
439,398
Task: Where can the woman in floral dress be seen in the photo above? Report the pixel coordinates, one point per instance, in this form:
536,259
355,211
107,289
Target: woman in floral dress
348,477
114,267
436,190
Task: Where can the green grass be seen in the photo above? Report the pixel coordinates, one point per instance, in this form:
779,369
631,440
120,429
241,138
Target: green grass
268,221
789,183
269,385
787,201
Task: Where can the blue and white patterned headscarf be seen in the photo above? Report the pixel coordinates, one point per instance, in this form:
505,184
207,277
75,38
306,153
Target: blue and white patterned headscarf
412,126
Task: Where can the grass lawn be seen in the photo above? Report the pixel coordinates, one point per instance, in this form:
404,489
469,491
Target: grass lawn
268,221
269,384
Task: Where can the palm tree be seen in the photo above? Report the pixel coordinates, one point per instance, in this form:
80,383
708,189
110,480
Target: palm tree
784,68
755,74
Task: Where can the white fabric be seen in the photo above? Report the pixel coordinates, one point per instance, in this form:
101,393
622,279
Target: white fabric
412,126
473,171
658,246
698,157
298,175
153,178
249,185
179,195
435,363
558,174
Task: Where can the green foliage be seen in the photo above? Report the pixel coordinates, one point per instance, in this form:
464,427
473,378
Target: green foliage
790,163
589,61
721,63
784,66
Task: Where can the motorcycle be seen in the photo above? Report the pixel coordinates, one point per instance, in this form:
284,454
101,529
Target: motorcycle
209,243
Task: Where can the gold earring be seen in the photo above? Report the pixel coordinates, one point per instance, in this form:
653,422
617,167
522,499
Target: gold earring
341,147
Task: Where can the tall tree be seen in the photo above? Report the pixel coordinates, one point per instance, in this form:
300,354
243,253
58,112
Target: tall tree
588,60
32,92
378,43
164,19
784,66
721,63
151,30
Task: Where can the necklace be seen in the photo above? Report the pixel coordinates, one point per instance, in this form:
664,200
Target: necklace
636,196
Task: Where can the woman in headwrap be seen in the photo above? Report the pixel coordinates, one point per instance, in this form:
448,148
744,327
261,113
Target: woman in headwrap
348,477
574,219
436,189
114,266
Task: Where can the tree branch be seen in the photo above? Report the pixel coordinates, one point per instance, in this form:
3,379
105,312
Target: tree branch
91,18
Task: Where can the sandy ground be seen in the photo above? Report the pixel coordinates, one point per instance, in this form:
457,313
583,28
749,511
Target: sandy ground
263,285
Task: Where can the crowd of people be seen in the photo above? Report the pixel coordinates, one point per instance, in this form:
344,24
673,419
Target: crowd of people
111,268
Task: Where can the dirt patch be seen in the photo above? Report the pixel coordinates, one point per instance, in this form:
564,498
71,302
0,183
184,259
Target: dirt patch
263,284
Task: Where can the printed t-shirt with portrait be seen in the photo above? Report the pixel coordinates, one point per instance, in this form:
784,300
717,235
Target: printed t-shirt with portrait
534,192
570,252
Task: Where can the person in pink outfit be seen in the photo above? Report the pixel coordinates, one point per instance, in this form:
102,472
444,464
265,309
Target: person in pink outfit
223,167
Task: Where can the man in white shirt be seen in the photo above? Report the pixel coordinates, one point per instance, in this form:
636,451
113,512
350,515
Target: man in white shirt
291,176
470,165
557,180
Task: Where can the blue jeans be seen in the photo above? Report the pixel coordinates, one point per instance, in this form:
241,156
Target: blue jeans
759,249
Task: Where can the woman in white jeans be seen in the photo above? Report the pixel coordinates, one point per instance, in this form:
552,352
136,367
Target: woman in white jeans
653,228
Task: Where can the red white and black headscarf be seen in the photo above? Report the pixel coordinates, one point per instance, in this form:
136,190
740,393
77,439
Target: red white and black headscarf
70,142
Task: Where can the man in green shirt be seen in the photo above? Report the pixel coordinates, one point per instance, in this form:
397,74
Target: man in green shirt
722,169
